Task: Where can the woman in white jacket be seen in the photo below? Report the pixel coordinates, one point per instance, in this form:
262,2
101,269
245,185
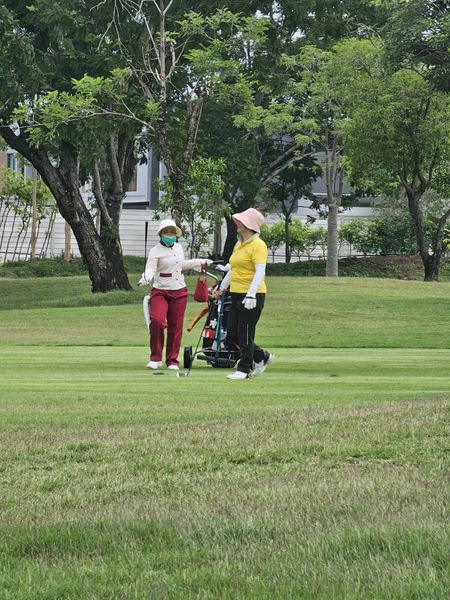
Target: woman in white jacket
168,297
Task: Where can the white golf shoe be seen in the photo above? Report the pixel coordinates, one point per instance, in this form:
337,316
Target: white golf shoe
237,375
154,364
261,366
174,367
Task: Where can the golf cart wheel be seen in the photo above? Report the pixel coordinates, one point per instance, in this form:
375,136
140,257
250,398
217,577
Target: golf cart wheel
187,357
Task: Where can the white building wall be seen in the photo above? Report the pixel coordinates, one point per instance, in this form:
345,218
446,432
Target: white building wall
138,230
134,224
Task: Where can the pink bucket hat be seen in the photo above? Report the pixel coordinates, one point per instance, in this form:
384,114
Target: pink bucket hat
250,218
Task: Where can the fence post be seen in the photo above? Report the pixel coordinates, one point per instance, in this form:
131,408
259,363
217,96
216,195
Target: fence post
67,241
33,213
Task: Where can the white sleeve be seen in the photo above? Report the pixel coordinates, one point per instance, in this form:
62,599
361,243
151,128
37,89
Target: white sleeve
225,283
151,266
260,271
193,263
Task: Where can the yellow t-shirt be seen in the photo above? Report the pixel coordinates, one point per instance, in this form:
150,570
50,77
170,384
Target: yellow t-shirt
243,260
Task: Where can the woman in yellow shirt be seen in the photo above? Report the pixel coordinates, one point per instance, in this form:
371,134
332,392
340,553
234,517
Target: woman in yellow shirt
248,291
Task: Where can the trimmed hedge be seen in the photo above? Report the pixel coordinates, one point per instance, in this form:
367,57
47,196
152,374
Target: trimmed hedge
400,267
394,267
58,267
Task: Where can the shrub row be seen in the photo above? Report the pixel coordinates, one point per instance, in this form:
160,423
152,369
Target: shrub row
409,267
58,267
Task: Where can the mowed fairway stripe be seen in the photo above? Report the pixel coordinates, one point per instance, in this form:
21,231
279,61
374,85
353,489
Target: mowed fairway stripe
107,383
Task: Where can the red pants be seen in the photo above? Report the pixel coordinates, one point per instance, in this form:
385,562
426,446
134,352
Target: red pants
167,308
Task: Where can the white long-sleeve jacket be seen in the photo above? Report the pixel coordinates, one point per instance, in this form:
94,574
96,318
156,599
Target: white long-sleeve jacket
165,267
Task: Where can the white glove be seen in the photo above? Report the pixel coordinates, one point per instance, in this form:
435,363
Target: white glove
143,280
249,302
223,268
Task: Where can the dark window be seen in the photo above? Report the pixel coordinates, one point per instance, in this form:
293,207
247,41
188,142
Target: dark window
132,186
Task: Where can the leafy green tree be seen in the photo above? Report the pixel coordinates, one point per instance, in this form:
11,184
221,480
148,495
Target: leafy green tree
287,189
148,76
321,235
318,117
395,229
273,237
398,138
45,46
16,199
201,208
177,76
310,243
299,234
390,232
312,238
353,233
257,157
176,79
447,238
416,35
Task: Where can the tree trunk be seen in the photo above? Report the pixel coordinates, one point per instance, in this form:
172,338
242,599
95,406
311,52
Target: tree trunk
67,242
217,242
100,253
431,262
110,240
332,241
287,240
431,266
334,181
104,263
231,239
178,198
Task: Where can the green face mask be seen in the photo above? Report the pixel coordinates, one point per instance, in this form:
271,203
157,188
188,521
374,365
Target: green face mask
168,240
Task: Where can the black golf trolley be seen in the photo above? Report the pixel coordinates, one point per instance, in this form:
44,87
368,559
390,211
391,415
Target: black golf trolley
212,338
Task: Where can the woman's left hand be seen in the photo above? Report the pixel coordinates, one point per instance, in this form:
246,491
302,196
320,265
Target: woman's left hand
249,302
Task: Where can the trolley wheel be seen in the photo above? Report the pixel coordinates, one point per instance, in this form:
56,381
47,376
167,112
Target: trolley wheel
187,357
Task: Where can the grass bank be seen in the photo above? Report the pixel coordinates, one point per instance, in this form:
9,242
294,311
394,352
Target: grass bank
300,312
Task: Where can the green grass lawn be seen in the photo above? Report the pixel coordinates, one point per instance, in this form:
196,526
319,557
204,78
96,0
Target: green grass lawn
324,478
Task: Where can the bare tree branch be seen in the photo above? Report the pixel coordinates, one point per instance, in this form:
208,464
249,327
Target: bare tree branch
114,167
168,7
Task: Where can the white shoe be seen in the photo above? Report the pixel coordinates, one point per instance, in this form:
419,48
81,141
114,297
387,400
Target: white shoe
260,367
153,364
174,367
238,375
